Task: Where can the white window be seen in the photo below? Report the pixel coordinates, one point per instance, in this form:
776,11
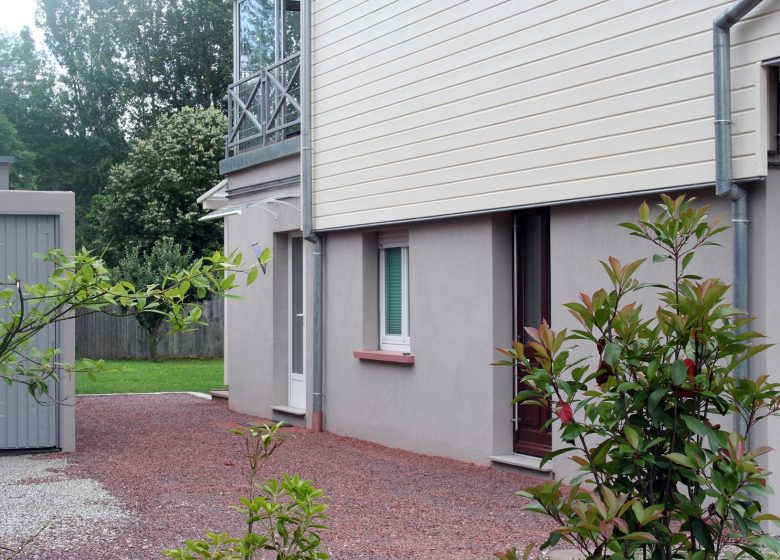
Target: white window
394,291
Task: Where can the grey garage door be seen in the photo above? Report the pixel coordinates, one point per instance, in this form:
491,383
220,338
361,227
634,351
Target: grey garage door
24,422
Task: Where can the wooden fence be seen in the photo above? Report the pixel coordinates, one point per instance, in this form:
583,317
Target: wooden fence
120,338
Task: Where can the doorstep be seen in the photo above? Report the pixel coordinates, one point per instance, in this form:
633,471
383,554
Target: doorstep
290,415
565,554
288,409
525,463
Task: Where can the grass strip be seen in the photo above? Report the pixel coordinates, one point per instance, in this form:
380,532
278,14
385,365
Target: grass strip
139,376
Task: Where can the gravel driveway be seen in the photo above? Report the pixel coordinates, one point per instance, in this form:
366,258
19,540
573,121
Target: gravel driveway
153,470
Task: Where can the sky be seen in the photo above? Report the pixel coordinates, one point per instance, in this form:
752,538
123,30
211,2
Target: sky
15,14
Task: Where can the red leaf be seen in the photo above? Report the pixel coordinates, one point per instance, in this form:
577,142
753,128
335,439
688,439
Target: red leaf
691,365
564,412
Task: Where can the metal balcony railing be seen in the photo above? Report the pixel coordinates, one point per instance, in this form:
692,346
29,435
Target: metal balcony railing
264,108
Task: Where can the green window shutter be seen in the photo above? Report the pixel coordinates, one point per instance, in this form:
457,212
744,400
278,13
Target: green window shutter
393,290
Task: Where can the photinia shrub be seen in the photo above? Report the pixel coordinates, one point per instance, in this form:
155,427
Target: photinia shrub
283,516
646,416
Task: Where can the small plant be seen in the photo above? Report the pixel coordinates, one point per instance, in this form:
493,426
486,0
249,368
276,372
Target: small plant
288,511
642,417
527,554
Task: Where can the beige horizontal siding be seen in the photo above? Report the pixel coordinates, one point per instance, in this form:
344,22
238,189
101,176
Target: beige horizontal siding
429,108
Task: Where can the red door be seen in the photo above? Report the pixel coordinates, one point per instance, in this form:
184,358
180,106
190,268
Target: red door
532,305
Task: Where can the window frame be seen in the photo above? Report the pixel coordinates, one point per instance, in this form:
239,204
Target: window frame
391,342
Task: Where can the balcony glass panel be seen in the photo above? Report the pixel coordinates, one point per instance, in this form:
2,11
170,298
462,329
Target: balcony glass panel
292,28
263,103
257,37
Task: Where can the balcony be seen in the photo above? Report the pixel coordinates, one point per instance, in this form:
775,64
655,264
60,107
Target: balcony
264,107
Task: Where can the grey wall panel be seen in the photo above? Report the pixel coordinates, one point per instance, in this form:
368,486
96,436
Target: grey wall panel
26,423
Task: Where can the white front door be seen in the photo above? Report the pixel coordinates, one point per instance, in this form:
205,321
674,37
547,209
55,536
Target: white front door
297,380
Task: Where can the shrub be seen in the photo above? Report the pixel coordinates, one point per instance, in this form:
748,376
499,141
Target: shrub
150,268
660,476
288,510
82,283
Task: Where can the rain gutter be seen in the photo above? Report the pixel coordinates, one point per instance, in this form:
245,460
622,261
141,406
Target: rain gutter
725,186
308,232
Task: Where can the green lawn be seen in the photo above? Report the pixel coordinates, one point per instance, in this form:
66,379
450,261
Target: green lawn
126,376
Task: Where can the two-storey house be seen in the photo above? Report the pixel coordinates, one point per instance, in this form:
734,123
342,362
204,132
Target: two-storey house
463,166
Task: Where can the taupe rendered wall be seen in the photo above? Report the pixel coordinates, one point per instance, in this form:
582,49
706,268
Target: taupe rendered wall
256,326
425,109
582,234
765,306
450,402
61,205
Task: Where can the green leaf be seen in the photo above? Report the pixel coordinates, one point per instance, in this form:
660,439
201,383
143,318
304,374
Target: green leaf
640,536
681,459
572,431
767,517
679,372
612,352
601,316
687,260
695,425
656,397
265,258
632,435
659,258
252,276
750,550
701,531
770,542
555,454
644,212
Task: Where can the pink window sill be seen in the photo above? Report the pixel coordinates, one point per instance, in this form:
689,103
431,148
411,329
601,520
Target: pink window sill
384,356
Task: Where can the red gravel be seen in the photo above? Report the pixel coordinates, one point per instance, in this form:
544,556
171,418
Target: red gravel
169,460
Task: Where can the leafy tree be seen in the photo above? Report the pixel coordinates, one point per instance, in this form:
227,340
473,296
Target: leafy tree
81,34
65,158
147,269
153,195
83,283
124,65
30,106
82,38
129,62
660,477
180,55
23,171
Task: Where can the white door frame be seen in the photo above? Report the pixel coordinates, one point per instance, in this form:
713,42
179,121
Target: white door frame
296,381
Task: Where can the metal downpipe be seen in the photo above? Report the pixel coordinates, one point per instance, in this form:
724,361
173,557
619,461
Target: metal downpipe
308,233
317,284
724,175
